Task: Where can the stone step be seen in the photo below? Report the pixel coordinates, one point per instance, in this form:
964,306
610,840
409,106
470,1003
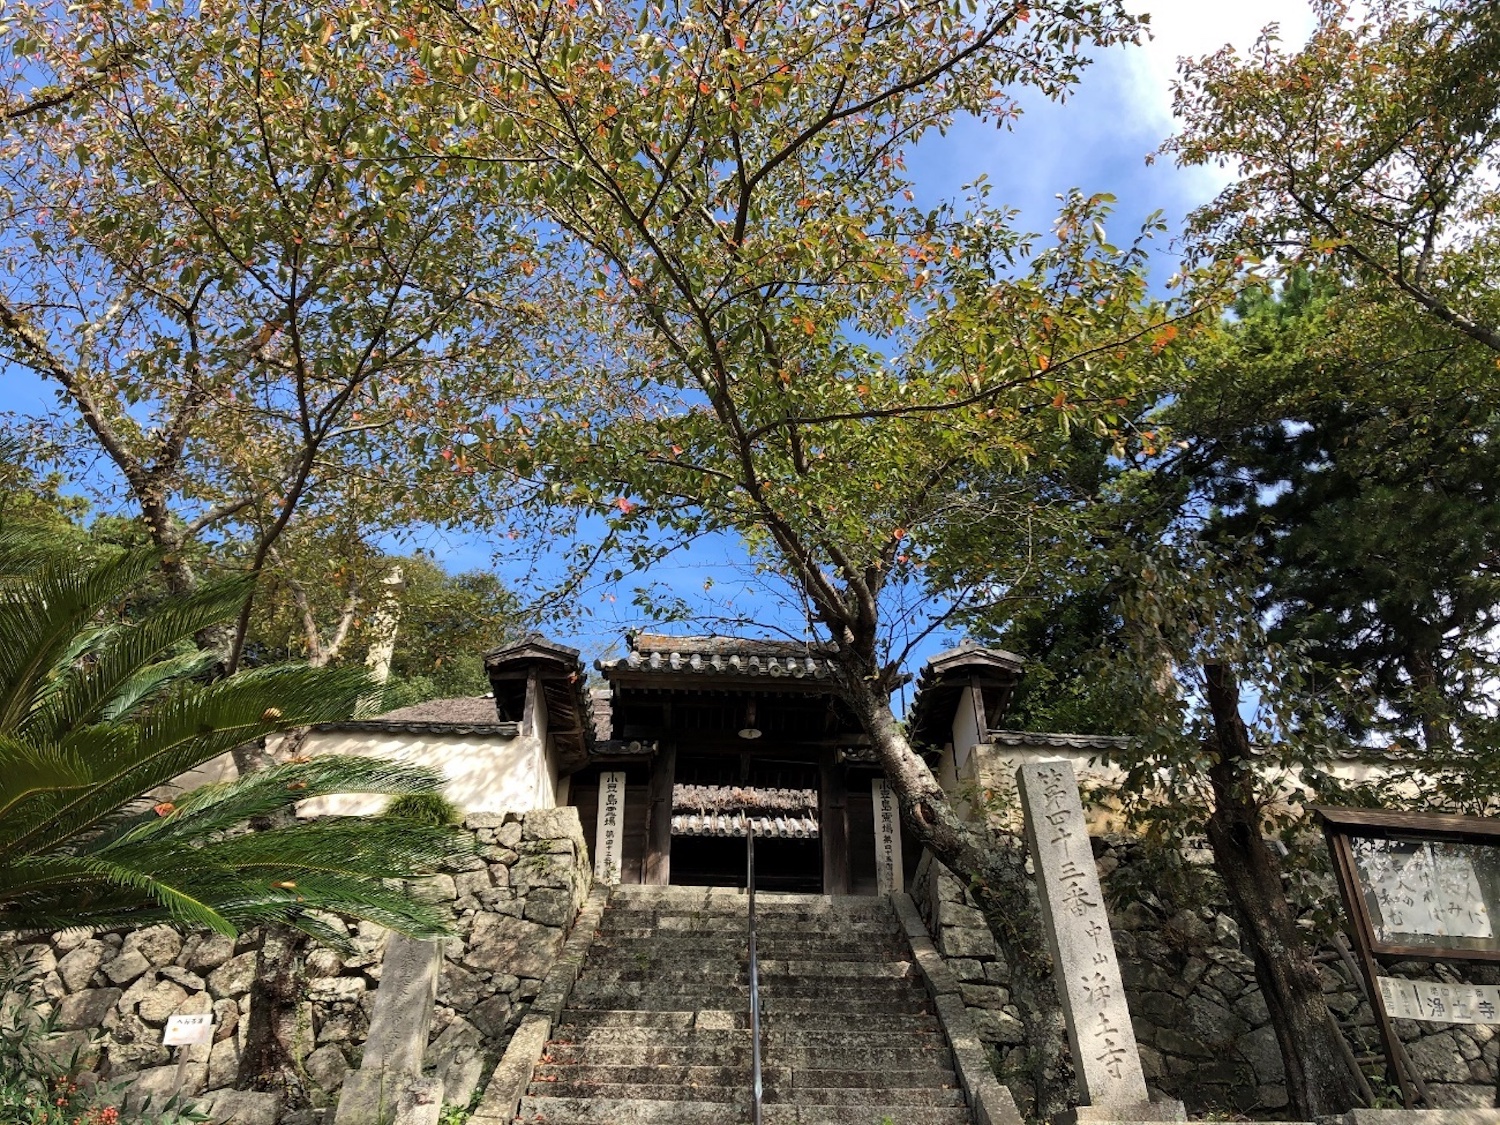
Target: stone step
863,1009
622,966
848,1011
588,1019
827,1096
771,1040
627,896
720,993
738,1054
615,1111
774,1077
794,947
738,923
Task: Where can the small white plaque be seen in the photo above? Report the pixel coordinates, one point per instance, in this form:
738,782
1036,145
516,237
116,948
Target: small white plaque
888,873
1440,1003
184,1031
609,832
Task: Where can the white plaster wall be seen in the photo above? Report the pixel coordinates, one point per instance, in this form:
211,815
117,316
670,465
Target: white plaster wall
993,767
484,774
965,727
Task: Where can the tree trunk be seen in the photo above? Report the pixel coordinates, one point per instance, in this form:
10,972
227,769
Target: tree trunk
1427,699
1318,1079
994,867
270,1059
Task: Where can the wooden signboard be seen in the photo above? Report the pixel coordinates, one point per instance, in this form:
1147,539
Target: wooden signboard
1418,886
888,869
609,833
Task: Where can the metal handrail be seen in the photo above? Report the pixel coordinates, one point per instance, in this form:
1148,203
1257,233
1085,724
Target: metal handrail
755,1088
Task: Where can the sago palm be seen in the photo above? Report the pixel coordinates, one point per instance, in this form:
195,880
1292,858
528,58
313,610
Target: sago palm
97,710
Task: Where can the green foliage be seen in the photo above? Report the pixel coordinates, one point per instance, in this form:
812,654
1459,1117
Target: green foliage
263,313
96,711
1375,145
424,808
38,1083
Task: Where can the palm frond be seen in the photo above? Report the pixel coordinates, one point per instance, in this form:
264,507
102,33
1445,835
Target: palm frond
41,616
122,670
95,712
192,725
220,806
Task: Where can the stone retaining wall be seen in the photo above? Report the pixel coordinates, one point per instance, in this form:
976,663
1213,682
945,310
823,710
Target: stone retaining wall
514,901
1202,1025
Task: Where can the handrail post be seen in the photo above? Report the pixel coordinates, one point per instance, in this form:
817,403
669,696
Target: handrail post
755,1090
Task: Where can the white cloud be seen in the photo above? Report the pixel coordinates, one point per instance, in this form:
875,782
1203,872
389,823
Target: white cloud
1194,28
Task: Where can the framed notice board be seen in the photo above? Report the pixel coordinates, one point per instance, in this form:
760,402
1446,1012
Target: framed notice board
1418,886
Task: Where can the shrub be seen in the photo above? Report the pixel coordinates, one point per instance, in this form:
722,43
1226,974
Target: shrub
424,808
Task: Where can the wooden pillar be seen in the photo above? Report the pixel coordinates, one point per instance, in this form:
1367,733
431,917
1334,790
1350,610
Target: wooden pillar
833,827
659,825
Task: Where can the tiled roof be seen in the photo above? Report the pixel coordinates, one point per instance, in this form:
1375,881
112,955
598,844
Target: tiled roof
466,715
465,709
733,656
1054,741
943,679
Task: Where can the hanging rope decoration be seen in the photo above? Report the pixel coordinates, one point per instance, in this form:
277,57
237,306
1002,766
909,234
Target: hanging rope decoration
725,810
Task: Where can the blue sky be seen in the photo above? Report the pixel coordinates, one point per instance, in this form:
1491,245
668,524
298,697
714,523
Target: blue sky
1097,141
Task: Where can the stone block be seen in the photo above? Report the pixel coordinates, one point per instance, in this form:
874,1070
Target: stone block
1456,1116
997,1027
554,824
438,888
457,1058
499,943
551,907
492,1016
211,952
327,1067
223,1063
84,1011
243,1107
502,1097
489,821
1438,1059
159,944
984,996
323,962
1261,1050
333,990
126,967
178,975
134,1046
233,977
969,942
78,966
153,1089
419,1101
160,1002
403,1005
71,1051
472,882
226,1018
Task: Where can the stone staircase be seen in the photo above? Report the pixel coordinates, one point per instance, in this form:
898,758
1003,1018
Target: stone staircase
657,1027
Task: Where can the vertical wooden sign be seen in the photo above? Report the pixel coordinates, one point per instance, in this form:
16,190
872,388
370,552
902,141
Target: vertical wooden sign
609,834
888,873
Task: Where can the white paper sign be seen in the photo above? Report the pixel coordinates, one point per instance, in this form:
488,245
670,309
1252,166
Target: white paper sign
1440,1003
1427,889
183,1031
888,873
609,832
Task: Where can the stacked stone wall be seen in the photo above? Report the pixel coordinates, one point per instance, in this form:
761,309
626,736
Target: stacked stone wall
1201,1022
514,900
